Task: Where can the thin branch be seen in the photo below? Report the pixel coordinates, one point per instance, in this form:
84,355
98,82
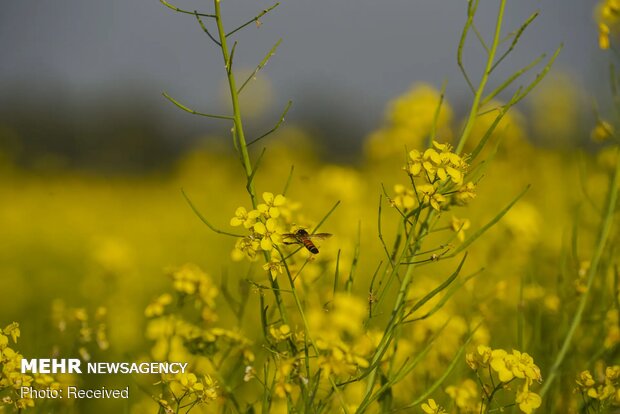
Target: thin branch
433,134
483,81
480,38
490,224
204,28
471,11
229,63
191,111
329,213
288,180
540,76
204,220
380,230
178,10
516,39
275,128
255,19
261,65
250,181
511,79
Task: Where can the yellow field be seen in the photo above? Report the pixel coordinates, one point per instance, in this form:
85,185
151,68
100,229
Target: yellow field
458,278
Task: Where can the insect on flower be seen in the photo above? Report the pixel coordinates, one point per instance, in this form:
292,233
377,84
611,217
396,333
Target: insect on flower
304,238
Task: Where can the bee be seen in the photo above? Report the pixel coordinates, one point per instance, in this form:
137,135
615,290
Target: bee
304,238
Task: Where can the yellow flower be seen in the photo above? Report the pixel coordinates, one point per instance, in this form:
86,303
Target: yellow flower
465,396
24,403
270,232
415,166
500,362
480,358
612,374
283,372
274,267
245,247
270,207
242,216
210,390
280,333
4,341
404,198
13,331
190,382
517,364
465,194
187,278
603,36
157,307
428,195
431,407
607,15
528,401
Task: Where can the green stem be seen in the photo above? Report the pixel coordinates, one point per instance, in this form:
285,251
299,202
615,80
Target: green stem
485,77
239,134
241,143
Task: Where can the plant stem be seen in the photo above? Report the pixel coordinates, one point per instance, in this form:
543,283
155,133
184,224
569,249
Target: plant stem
475,106
238,128
240,137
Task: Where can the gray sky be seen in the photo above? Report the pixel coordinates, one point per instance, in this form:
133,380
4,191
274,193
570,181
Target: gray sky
350,54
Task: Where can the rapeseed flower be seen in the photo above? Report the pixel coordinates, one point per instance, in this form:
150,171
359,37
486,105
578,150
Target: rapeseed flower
272,204
157,307
607,14
527,400
245,218
270,233
466,396
431,407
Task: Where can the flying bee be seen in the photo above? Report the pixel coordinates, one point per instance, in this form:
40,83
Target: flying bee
304,238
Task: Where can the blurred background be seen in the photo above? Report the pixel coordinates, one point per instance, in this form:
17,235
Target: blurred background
81,81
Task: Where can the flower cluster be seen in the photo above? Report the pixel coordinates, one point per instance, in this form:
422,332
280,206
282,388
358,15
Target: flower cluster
190,282
11,377
608,18
466,396
508,367
194,388
605,388
438,177
178,336
266,223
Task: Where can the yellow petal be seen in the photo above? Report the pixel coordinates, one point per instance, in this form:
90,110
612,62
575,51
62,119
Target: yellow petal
265,244
260,228
279,200
268,197
240,212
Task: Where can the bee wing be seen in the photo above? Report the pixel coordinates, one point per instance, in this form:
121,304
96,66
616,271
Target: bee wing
321,236
289,235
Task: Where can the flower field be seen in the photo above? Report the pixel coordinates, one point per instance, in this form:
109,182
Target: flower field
465,263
